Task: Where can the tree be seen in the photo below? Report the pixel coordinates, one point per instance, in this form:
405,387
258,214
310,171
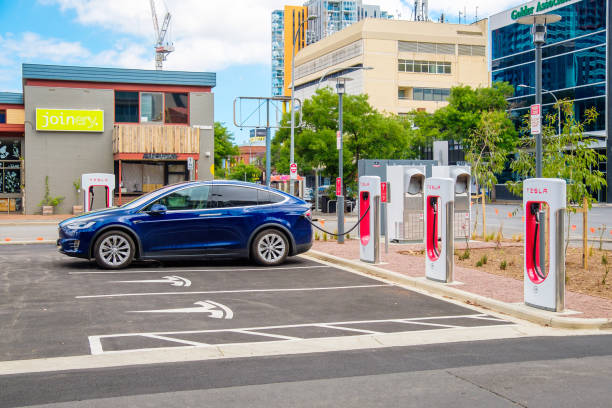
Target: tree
224,146
245,172
462,116
567,156
488,146
367,134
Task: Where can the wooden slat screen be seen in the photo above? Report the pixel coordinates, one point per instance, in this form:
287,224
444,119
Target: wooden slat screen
155,139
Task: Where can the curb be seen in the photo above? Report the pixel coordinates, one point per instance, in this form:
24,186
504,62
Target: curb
519,311
44,241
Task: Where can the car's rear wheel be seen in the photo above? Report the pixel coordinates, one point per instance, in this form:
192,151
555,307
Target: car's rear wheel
270,247
114,250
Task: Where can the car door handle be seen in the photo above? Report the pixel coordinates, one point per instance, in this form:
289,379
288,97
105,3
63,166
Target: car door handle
210,214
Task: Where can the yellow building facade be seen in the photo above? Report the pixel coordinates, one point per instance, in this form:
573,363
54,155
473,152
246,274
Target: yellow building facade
293,17
411,64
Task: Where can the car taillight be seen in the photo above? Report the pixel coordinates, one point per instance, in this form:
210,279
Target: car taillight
308,214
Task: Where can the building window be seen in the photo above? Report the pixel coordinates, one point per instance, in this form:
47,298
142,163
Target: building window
428,67
10,166
430,94
426,48
2,116
176,108
472,50
126,107
151,107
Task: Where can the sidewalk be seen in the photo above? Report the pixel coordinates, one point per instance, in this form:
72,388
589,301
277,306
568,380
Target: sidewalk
20,219
507,293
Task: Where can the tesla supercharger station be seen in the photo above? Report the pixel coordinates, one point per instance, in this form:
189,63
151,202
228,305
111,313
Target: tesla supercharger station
461,176
369,226
544,286
91,180
405,217
439,242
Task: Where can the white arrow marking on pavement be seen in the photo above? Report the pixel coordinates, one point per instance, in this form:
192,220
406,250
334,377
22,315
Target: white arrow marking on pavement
173,280
214,309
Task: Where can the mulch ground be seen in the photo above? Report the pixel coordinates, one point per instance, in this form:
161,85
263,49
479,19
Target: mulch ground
589,282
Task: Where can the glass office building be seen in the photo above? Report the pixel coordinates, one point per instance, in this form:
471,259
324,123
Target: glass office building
574,62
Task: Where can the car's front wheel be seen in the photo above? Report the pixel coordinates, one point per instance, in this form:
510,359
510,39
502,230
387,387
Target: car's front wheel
114,250
270,247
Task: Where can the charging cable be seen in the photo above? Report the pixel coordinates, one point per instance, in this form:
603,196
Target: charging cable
535,210
337,235
434,239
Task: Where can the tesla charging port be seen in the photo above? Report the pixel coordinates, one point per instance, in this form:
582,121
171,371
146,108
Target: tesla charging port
535,228
369,226
364,225
544,280
433,251
439,242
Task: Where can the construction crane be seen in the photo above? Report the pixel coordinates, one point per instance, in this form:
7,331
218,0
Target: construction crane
161,50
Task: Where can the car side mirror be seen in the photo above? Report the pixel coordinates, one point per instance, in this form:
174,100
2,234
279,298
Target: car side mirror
157,209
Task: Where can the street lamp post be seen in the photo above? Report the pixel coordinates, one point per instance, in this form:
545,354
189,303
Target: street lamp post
291,152
340,89
556,102
538,30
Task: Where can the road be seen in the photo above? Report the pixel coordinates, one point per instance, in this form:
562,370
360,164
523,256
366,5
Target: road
303,334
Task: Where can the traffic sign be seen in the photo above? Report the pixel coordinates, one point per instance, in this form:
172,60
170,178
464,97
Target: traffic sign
338,140
190,163
536,119
293,171
338,186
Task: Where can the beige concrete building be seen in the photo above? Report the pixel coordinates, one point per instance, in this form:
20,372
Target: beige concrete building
414,63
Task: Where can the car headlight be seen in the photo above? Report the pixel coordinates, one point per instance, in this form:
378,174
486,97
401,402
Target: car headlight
80,225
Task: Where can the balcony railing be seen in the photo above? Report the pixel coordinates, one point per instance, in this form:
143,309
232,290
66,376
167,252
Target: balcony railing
156,139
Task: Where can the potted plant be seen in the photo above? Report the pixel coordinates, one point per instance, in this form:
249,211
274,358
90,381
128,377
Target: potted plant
77,208
48,202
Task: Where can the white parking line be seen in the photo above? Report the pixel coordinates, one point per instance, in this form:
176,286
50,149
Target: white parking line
198,270
231,291
95,344
329,326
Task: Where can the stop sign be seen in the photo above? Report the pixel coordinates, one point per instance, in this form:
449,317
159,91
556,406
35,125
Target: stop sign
293,170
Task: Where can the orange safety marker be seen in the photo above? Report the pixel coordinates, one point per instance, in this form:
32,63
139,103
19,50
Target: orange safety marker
573,228
39,238
592,230
523,218
509,215
322,222
7,239
496,211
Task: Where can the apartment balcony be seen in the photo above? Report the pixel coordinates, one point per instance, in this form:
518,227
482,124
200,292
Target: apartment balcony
155,139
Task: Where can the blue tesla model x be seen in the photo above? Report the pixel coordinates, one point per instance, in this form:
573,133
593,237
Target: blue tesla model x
200,219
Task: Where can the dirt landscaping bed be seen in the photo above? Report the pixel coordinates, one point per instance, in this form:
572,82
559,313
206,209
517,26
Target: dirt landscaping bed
588,282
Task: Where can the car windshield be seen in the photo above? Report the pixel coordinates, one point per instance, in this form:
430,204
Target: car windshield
147,197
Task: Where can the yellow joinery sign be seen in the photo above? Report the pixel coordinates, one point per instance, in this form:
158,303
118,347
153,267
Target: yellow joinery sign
69,120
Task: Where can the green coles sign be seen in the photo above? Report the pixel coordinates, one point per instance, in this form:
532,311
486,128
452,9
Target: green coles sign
542,5
69,120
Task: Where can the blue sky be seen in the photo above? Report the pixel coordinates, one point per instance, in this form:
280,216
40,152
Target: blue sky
229,37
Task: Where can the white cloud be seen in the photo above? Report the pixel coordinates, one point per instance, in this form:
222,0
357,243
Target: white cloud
207,34
31,46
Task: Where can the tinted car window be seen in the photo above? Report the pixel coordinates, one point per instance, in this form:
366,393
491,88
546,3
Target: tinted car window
268,197
233,196
194,198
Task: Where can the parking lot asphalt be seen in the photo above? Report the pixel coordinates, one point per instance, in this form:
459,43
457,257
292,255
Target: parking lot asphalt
53,306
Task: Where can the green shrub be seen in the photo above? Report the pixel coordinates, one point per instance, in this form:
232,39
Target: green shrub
503,265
